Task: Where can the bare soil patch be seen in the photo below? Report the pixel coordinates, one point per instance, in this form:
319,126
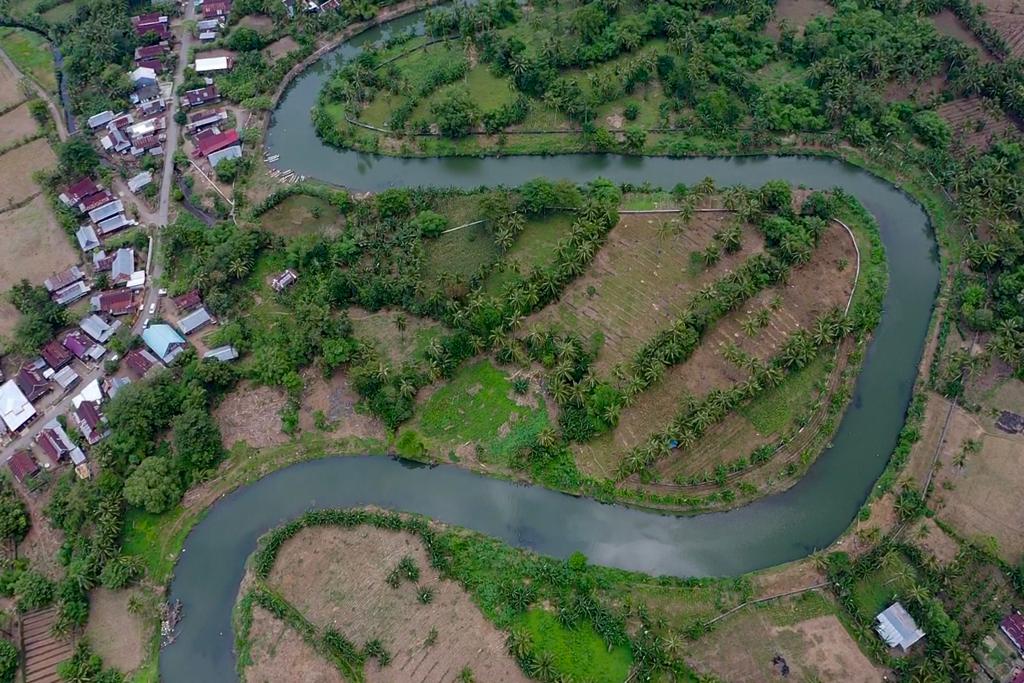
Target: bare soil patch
1010,25
42,543
257,22
935,542
280,654
279,48
336,399
811,291
641,280
983,497
10,89
337,578
115,633
251,414
819,648
16,125
395,334
798,13
975,123
17,167
950,25
916,90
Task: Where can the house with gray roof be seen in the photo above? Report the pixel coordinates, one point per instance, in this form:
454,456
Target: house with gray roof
195,320
222,354
123,266
106,211
87,238
98,328
897,627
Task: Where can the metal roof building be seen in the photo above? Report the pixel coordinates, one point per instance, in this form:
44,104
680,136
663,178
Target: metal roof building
222,353
164,342
15,409
195,320
897,627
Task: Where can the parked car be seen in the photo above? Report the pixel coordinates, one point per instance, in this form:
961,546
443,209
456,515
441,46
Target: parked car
152,308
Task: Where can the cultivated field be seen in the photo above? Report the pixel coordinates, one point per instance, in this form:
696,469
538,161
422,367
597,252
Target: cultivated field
30,52
812,289
337,578
17,167
974,123
16,125
949,24
116,634
641,280
10,89
35,247
1007,18
279,654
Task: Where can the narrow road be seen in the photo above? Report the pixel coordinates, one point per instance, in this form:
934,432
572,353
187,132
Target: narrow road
55,113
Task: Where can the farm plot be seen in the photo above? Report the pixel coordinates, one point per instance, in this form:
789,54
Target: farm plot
812,289
17,125
35,247
337,578
640,281
278,653
975,123
949,24
1007,18
17,167
10,89
250,414
280,48
30,52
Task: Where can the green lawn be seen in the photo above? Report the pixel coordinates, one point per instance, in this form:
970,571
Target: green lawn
477,406
62,13
879,589
299,215
460,253
30,53
775,410
579,653
146,536
533,247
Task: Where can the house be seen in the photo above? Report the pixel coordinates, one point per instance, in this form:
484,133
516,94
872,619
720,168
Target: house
207,36
115,141
97,328
164,342
31,383
216,9
284,280
222,354
83,347
201,96
155,64
189,301
57,445
106,211
147,127
114,224
114,302
145,93
23,467
1013,628
99,120
209,144
154,22
66,378
77,191
212,65
136,183
90,392
195,320
146,143
70,294
87,238
95,201
213,25
16,411
121,122
203,119
143,76
139,361
90,421
897,628
151,51
63,279
115,384
122,267
233,152
153,107
56,354
137,280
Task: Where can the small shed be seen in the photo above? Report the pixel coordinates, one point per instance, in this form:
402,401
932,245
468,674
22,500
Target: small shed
897,627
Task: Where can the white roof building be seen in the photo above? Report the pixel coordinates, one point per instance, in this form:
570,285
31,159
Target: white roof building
232,152
15,409
222,354
897,627
91,392
212,64
143,74
87,238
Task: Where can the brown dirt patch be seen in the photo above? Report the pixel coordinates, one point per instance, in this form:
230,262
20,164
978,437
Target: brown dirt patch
798,13
251,414
336,577
381,328
17,167
934,541
10,89
280,654
257,22
916,90
983,498
337,400
642,279
812,290
819,648
950,25
975,123
1010,25
280,48
789,577
42,543
116,634
16,125
961,426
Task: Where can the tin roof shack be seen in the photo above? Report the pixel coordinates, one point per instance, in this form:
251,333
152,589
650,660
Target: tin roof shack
63,279
136,183
897,628
71,293
222,354
22,466
16,411
56,354
87,238
284,280
1011,423
189,301
194,321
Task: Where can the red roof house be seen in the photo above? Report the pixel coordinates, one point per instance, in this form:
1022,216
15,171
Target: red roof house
90,421
215,9
188,301
208,145
23,466
32,383
55,354
115,302
1013,627
139,361
151,51
201,96
78,190
95,200
155,64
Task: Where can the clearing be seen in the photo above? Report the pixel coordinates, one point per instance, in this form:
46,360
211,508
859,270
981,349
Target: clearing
337,578
35,247
279,48
950,25
115,633
258,22
251,414
798,13
17,125
336,399
278,653
399,336
31,53
17,167
803,631
975,123
302,215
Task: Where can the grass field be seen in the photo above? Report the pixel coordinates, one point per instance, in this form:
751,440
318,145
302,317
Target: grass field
383,331
62,13
478,409
580,653
880,588
533,247
31,53
458,254
17,125
774,410
301,215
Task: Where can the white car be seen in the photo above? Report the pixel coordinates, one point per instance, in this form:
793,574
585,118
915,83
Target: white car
152,308
162,292
145,323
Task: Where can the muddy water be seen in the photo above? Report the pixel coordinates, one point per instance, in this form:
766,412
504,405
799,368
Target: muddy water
773,530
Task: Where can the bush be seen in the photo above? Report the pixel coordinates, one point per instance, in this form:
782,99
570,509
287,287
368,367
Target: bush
9,659
931,129
153,486
430,223
631,111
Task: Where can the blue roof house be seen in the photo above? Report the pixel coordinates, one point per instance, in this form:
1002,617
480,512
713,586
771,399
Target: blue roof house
164,342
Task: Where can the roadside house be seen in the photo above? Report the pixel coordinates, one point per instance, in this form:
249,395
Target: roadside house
164,342
189,301
97,328
16,411
136,183
23,466
90,421
56,354
32,384
122,267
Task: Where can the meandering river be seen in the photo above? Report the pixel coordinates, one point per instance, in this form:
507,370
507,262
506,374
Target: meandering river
775,529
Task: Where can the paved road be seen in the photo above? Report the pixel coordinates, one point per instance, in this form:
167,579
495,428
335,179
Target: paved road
158,220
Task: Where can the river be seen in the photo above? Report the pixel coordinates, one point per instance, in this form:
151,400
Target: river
770,531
